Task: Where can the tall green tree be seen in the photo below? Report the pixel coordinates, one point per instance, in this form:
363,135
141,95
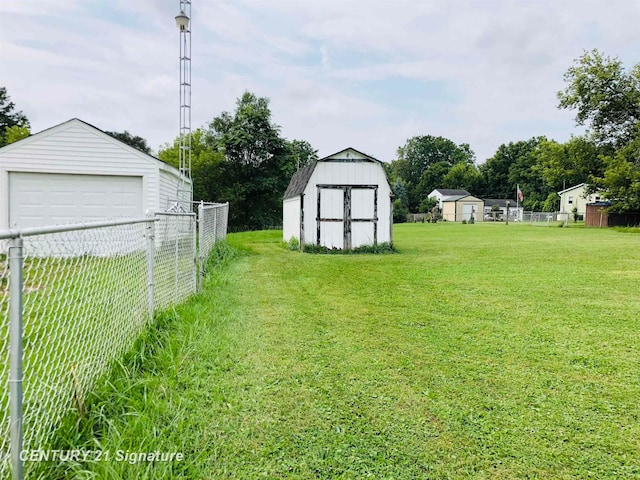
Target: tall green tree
423,161
131,140
606,98
621,179
10,117
258,163
302,152
463,176
515,164
575,161
205,165
604,95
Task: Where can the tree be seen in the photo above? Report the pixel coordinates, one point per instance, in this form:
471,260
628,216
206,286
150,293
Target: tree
463,176
131,140
401,194
302,152
566,164
606,97
205,165
399,212
424,161
15,133
515,164
9,117
621,179
258,163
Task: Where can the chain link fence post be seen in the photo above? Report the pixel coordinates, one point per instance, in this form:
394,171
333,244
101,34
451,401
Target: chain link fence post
193,230
176,285
201,228
16,258
151,261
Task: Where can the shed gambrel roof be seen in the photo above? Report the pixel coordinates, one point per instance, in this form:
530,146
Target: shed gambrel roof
349,154
301,178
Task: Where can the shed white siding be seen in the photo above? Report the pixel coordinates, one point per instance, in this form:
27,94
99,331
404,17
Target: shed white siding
291,218
75,158
354,197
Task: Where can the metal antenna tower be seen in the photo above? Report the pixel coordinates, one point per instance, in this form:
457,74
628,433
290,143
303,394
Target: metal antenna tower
183,21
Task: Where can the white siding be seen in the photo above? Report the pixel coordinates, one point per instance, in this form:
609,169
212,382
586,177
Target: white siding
331,203
332,234
169,181
348,173
291,218
362,203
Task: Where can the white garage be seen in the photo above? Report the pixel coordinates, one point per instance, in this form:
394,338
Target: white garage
74,172
341,201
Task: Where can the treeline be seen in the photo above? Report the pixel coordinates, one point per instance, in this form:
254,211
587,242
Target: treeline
241,156
607,157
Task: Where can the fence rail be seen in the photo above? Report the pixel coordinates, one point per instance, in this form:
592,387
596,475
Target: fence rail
75,298
539,217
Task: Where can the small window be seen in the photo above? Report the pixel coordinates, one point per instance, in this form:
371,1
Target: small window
570,201
597,199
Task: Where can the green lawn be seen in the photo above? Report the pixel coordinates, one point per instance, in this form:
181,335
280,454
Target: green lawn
477,351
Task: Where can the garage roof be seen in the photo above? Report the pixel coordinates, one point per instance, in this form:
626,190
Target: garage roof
150,158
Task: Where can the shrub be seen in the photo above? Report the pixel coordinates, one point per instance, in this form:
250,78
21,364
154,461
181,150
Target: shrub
293,244
464,221
399,212
319,249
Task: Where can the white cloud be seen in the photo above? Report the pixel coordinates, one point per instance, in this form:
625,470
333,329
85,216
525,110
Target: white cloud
501,63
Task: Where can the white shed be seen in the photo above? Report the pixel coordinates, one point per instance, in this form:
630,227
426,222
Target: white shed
341,201
75,172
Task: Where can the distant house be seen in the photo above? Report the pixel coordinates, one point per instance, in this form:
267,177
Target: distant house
446,194
341,201
515,210
462,207
576,197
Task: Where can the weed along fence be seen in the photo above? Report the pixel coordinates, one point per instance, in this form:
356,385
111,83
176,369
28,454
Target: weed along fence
73,299
212,221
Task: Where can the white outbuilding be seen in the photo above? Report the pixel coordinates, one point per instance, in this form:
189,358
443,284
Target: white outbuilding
75,172
341,201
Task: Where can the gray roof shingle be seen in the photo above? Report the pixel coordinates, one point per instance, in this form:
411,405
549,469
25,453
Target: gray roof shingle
299,181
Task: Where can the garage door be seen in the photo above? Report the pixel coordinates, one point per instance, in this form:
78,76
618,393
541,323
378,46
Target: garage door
37,199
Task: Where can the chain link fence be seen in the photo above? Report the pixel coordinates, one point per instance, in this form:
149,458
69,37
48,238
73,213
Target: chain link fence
72,300
539,217
212,227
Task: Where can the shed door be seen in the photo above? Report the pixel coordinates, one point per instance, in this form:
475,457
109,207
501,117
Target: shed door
347,216
468,210
331,215
38,199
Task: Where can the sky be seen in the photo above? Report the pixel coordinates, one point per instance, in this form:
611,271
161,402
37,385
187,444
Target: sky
368,74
